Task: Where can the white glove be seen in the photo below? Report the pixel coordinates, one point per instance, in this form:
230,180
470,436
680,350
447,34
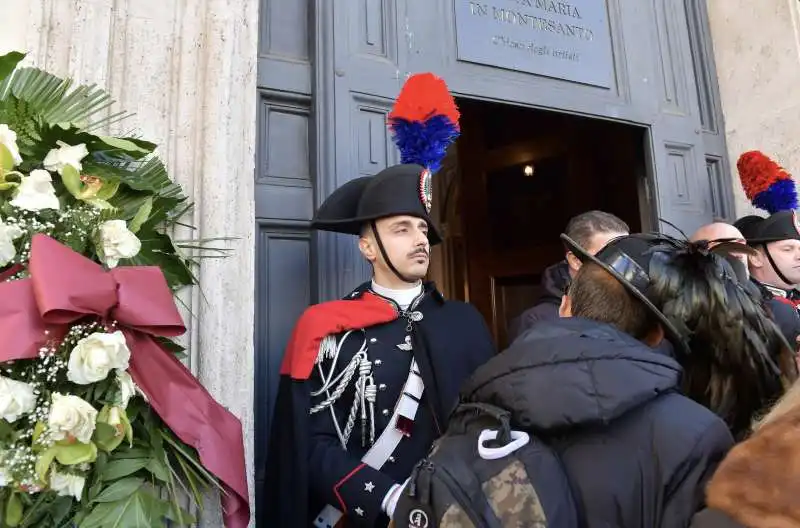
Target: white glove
392,497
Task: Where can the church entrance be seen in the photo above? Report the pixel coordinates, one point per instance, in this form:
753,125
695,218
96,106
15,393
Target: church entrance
508,188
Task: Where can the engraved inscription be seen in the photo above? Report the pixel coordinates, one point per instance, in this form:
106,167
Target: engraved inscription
567,40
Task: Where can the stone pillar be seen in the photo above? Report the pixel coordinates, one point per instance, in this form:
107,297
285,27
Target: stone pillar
757,51
187,69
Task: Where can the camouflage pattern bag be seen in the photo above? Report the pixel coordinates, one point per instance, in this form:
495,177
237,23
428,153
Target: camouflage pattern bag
481,474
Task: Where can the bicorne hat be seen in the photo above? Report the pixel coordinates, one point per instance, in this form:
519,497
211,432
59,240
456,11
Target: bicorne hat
424,123
396,191
771,188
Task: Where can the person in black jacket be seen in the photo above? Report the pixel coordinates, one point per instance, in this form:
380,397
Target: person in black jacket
637,452
592,230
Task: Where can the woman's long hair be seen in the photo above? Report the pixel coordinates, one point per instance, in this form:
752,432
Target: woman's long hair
740,362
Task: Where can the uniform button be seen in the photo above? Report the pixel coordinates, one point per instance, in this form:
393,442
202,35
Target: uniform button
373,340
382,386
391,459
386,412
378,361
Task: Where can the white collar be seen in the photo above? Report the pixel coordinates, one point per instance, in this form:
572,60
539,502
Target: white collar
403,298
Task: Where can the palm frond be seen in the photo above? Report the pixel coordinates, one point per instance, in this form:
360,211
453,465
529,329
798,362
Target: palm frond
56,102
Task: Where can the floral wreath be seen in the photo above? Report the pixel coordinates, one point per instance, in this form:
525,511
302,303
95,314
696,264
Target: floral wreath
98,417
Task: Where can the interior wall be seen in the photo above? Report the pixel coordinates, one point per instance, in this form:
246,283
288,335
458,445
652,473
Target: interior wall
511,220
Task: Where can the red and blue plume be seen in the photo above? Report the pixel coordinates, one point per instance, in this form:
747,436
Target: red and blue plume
424,121
766,184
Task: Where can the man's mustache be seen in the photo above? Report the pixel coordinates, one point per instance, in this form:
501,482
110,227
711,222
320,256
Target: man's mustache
420,253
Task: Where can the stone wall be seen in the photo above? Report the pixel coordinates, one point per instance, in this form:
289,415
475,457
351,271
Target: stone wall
187,68
757,50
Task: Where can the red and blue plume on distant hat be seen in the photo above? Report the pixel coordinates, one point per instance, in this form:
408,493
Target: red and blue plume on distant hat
424,121
766,184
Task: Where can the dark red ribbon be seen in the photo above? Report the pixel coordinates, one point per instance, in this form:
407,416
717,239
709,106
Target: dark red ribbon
65,287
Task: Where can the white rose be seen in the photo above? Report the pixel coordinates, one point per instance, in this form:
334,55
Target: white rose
65,155
116,242
16,398
70,415
8,234
36,192
8,138
66,484
96,355
127,388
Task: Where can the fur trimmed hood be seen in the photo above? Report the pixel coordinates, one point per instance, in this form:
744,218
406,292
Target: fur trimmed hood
758,483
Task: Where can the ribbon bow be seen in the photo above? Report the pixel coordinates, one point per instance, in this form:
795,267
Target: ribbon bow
64,287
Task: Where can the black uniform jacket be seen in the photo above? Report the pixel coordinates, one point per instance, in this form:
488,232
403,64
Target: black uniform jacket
307,466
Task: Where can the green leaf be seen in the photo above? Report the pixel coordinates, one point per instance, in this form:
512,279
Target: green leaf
60,509
119,490
181,517
13,510
77,453
72,180
171,346
99,204
138,510
56,102
107,437
158,470
6,431
158,250
8,63
141,215
136,452
43,463
117,469
123,144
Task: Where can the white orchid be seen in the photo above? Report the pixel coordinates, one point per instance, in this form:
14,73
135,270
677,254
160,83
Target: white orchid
65,155
36,192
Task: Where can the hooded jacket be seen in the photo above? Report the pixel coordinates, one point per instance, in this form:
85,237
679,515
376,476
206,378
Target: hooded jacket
555,280
637,452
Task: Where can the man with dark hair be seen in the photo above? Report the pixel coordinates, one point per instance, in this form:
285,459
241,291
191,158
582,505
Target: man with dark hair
592,230
600,297
367,382
636,451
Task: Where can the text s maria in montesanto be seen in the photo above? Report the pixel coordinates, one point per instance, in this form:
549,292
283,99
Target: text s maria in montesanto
540,19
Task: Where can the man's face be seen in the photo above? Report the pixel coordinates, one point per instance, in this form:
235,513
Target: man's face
597,242
405,239
786,254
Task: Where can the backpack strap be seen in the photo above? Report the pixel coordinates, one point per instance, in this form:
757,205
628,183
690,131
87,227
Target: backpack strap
469,412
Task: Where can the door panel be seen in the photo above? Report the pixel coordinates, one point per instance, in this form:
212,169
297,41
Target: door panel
366,79
681,179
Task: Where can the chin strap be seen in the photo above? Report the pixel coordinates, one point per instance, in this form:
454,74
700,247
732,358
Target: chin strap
778,271
386,257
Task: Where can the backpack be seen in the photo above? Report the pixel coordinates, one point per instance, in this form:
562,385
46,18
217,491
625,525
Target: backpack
481,474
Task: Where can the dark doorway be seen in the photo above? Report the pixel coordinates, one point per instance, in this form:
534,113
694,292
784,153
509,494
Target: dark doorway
507,190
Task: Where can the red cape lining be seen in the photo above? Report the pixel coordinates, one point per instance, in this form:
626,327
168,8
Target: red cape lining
328,318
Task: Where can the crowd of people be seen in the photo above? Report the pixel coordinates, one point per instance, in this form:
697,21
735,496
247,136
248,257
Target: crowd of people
657,375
